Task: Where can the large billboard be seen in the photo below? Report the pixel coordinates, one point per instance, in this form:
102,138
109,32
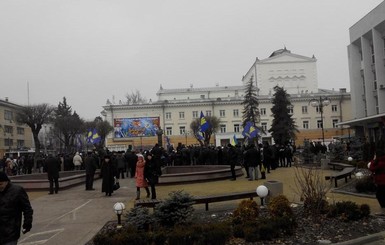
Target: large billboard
135,127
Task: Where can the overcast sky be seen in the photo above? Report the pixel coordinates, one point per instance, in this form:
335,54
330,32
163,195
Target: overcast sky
93,50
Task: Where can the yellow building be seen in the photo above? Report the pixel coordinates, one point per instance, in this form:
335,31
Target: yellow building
13,137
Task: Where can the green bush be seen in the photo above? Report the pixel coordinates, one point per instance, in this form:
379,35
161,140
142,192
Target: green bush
267,231
365,185
238,231
182,235
213,233
279,206
285,224
125,236
177,209
140,218
251,232
365,210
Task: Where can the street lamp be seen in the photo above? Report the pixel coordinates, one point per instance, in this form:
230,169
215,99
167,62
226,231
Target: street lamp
320,103
119,208
262,192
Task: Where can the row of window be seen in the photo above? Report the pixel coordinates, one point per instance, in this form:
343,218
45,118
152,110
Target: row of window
237,127
9,142
262,111
9,129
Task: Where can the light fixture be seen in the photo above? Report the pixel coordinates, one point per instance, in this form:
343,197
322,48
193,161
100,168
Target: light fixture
262,192
359,175
119,209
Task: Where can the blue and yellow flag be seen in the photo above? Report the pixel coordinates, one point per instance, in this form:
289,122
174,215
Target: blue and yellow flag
96,137
250,131
234,141
204,125
199,135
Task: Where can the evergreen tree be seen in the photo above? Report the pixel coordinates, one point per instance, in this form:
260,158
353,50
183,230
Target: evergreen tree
250,105
283,128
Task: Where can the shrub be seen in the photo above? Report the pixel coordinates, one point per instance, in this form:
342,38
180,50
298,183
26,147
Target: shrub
267,231
246,211
181,235
279,206
238,231
213,234
140,218
365,185
348,211
177,209
251,232
125,236
285,224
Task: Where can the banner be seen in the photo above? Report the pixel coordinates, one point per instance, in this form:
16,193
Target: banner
135,127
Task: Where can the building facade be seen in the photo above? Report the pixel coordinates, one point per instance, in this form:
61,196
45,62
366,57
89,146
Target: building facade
366,55
13,137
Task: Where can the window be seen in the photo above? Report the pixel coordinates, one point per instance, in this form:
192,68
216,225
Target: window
223,128
264,126
168,115
262,111
222,113
8,142
181,115
291,109
208,113
305,124
319,124
8,129
168,130
182,130
334,122
334,108
236,128
304,109
20,130
8,115
235,113
20,143
195,114
202,96
318,109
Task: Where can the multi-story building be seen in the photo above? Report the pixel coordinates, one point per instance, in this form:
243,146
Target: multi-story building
13,136
175,109
366,53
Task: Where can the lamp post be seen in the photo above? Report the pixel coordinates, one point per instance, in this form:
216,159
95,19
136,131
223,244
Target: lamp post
321,103
262,192
118,209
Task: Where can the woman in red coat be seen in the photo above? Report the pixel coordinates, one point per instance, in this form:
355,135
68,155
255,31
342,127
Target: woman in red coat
140,179
377,167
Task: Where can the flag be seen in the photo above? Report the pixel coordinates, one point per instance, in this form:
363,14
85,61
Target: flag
199,135
95,137
250,131
234,141
204,125
89,135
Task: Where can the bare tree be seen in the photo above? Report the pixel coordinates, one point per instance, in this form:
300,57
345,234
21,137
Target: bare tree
135,97
35,116
205,136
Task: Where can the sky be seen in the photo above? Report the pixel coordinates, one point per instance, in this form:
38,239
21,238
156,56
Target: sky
93,50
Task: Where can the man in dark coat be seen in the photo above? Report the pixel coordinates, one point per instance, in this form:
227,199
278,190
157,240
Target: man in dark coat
52,165
90,164
232,158
152,171
14,203
132,159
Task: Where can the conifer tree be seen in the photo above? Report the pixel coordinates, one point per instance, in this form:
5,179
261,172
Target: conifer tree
250,104
283,128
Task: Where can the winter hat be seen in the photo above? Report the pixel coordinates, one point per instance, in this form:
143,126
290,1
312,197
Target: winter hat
3,177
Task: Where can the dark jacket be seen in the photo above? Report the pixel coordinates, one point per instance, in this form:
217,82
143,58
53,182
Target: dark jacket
52,165
108,171
90,164
377,167
152,171
13,203
252,157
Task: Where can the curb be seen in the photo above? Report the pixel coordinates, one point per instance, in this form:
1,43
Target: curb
364,240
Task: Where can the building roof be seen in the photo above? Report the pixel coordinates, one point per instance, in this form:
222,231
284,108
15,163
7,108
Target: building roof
279,51
191,89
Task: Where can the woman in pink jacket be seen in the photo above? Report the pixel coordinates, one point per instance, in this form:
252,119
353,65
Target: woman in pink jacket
139,175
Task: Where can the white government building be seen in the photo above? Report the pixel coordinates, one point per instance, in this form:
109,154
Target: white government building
175,109
366,54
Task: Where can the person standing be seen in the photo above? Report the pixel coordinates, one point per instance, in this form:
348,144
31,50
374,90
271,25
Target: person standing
90,164
77,161
152,171
108,173
377,167
132,159
140,179
14,204
253,158
52,165
121,164
232,158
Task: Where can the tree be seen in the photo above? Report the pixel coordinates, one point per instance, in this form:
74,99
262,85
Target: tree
250,105
103,128
283,128
206,136
35,116
135,98
67,125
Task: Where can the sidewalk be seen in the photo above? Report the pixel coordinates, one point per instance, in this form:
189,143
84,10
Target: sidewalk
74,215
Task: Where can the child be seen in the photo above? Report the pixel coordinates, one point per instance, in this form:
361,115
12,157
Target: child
139,175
